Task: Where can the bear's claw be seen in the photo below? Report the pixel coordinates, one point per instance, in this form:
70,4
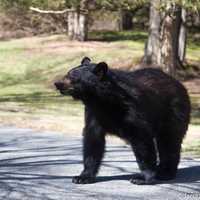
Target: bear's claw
83,180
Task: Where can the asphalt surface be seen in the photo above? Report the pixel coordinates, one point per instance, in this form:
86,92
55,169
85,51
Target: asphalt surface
38,166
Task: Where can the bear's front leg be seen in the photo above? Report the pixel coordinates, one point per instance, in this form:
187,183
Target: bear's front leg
93,150
146,158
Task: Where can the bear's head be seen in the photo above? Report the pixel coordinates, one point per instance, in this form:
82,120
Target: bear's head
84,80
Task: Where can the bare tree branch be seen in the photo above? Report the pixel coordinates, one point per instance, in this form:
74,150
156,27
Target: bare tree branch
55,11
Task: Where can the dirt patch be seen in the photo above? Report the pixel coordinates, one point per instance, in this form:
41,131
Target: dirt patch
68,125
193,85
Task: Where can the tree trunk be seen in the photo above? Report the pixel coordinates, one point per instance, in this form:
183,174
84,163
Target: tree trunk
78,22
70,21
126,20
170,30
152,47
77,25
162,48
182,37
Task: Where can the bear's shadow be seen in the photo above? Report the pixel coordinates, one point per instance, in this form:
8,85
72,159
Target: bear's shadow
184,175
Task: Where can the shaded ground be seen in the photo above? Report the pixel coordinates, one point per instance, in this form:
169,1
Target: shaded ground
36,165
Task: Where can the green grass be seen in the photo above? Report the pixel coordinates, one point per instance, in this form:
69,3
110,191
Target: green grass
111,36
29,66
195,116
192,149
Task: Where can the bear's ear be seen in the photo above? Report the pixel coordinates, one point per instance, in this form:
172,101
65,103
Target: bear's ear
85,61
101,69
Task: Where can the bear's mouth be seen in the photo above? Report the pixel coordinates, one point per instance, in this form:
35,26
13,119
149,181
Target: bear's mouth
65,87
67,91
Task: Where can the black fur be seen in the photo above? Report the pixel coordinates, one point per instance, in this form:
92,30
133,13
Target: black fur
147,108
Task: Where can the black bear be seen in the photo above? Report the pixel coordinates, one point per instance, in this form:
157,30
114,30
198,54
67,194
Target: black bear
147,108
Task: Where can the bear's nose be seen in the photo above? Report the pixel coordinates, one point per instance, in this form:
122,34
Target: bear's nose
59,85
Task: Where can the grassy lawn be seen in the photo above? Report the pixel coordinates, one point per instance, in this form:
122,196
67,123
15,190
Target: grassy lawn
29,66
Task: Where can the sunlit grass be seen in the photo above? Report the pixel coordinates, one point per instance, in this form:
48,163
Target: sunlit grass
28,63
192,149
195,115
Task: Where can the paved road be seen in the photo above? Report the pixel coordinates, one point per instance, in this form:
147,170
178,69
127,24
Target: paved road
40,166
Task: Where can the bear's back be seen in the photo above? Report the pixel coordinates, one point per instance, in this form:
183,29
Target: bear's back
155,80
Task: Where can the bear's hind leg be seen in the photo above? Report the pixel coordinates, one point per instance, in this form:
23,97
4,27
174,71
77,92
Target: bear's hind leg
145,153
169,148
170,138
